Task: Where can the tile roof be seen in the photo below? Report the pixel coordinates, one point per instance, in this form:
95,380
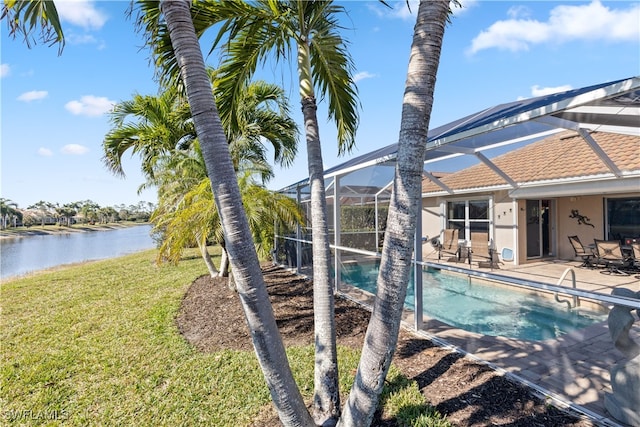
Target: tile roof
561,156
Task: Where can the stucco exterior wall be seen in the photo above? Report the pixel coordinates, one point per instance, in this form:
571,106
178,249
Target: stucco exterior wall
509,222
432,219
504,217
591,207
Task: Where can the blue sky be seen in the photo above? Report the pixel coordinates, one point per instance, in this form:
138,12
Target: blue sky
54,108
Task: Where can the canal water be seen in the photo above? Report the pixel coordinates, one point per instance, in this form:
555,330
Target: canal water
22,255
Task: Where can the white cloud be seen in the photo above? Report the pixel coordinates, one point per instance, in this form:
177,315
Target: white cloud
519,12
33,95
363,75
45,152
400,9
591,21
74,149
405,11
90,105
5,70
82,13
81,39
397,9
465,5
541,91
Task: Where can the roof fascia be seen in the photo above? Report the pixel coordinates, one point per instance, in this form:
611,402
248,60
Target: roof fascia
558,188
466,191
604,186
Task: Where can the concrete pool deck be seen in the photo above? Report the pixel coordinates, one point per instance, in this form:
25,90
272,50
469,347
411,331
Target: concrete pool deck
572,370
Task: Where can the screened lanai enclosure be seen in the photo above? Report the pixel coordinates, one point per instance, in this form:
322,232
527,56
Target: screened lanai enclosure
498,310
357,204
358,191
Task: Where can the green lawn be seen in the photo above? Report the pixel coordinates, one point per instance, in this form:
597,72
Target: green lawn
96,344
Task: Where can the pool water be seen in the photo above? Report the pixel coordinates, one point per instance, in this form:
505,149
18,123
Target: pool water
483,308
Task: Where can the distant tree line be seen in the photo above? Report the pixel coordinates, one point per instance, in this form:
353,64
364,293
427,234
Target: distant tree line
81,212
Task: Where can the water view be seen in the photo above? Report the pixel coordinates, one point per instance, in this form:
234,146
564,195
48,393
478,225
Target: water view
22,255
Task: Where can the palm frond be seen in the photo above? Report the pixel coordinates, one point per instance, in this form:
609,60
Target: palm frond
332,68
26,16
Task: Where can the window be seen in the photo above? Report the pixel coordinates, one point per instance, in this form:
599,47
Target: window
456,216
623,219
469,216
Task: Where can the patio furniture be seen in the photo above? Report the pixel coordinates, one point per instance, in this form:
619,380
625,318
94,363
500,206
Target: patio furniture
609,254
480,247
450,244
635,255
583,252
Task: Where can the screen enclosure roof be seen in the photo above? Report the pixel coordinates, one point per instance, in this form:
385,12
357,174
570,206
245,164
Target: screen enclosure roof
608,107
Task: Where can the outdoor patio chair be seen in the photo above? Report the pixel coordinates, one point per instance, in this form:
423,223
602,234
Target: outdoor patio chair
450,244
635,255
609,254
480,248
583,252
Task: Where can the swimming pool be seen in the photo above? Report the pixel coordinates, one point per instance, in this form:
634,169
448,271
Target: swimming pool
483,307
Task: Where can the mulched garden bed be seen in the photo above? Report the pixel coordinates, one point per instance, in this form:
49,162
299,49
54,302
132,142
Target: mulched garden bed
468,393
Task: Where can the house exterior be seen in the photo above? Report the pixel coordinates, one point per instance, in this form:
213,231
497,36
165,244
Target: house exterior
579,174
530,200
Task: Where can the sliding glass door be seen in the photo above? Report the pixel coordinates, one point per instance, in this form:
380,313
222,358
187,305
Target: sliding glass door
539,228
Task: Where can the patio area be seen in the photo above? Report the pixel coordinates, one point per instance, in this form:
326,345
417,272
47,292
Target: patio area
573,370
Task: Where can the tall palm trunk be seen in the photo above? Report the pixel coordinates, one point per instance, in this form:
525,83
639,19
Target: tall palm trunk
206,257
246,267
382,333
326,388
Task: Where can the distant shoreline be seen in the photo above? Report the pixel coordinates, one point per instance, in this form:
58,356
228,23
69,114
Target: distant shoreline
49,230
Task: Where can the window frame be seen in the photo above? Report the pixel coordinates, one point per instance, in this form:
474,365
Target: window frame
467,221
608,234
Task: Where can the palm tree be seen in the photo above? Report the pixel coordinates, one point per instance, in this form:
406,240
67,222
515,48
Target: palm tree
89,211
154,126
261,113
149,125
66,212
266,27
26,16
159,128
9,213
381,336
107,214
179,175
382,333
191,217
45,209
246,266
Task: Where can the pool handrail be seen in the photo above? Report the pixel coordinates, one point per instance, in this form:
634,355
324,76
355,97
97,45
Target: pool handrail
576,301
